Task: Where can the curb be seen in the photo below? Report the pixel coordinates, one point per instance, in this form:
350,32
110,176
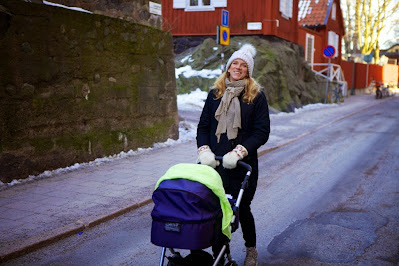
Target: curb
35,242
14,250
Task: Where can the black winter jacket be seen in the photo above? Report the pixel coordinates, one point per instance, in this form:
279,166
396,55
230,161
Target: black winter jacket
254,132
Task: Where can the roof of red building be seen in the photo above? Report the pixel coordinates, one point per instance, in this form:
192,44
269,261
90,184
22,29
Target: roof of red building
313,12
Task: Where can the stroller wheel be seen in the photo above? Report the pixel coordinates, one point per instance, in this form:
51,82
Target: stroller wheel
175,260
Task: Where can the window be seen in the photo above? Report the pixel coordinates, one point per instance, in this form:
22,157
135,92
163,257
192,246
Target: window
333,40
286,8
334,11
199,5
309,51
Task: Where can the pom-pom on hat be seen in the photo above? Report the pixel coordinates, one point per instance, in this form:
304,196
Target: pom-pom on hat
247,53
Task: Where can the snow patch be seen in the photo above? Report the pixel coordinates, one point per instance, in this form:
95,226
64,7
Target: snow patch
194,100
188,72
67,7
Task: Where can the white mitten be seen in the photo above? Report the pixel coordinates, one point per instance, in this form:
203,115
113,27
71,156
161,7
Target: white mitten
207,157
230,159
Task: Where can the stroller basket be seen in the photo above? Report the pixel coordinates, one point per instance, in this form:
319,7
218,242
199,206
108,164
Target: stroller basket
187,215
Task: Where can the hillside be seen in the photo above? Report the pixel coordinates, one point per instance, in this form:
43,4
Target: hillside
280,69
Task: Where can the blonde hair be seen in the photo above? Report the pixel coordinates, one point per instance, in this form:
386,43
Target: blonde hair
251,88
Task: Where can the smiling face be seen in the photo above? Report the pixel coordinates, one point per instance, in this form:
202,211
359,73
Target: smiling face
238,70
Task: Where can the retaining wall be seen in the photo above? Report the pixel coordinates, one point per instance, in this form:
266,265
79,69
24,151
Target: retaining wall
76,86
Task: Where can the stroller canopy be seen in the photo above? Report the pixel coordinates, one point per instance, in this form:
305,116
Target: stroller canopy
207,176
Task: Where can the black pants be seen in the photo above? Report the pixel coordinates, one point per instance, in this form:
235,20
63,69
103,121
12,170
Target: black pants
232,181
247,225
247,222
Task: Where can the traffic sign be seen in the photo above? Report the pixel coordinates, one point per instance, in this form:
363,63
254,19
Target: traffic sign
368,57
224,34
329,51
225,18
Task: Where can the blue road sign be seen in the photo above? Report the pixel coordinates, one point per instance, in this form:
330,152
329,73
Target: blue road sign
225,18
368,57
329,51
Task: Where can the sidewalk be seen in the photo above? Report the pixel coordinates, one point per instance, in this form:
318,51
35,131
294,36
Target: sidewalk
38,213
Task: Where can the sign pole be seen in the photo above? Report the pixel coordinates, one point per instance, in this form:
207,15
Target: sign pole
328,51
222,56
328,78
224,33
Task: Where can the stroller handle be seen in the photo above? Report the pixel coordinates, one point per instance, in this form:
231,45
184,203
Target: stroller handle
240,163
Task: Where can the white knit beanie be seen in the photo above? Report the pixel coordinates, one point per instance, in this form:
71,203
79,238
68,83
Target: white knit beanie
247,53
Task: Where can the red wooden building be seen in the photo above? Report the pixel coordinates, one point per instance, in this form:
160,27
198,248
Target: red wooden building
320,24
313,24
257,17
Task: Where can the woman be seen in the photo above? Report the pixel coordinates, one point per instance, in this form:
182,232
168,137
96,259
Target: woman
234,123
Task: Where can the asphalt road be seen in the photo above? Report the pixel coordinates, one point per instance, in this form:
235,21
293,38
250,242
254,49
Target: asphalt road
329,198
333,196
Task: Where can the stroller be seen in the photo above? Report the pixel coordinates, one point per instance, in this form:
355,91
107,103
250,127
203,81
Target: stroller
191,211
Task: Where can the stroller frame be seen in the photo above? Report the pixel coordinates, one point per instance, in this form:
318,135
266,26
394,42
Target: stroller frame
233,223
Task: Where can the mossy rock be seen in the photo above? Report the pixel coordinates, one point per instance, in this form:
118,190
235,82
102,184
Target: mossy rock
280,69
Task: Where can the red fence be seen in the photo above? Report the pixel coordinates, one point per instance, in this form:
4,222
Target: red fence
360,75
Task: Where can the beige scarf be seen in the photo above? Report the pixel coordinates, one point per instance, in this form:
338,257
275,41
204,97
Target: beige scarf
228,113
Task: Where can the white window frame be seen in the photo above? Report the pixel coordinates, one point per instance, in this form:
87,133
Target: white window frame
200,6
185,4
285,8
334,11
309,36
333,40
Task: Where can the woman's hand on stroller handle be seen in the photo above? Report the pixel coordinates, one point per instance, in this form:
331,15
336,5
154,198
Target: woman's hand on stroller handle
207,157
240,163
231,158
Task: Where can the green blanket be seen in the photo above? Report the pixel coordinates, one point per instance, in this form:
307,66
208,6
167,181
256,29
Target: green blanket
209,177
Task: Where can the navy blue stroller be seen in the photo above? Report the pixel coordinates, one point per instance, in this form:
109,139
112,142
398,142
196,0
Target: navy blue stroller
191,211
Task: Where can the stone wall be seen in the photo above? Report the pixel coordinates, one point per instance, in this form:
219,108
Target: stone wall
131,10
76,86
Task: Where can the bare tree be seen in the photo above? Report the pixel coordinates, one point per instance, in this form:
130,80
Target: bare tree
395,31
369,19
349,29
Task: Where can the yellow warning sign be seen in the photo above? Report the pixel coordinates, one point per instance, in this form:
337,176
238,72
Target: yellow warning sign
224,35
